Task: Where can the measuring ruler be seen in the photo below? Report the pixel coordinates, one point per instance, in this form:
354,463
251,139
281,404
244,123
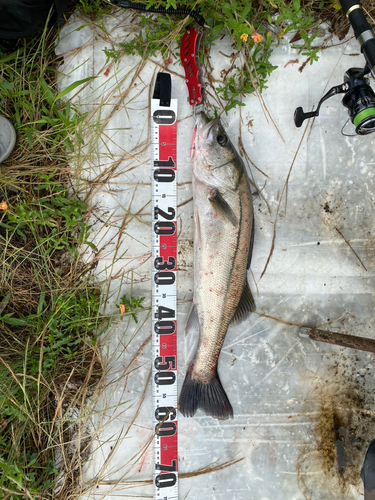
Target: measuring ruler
164,290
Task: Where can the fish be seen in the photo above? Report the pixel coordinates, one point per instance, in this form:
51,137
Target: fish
223,245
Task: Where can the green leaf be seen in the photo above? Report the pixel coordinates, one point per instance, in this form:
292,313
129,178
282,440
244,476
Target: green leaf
216,29
41,302
91,245
29,136
13,321
73,86
5,85
246,11
47,91
5,301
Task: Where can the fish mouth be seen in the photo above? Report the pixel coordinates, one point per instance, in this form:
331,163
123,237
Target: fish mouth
204,128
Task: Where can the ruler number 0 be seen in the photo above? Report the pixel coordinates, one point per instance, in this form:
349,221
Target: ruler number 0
162,265
164,116
165,480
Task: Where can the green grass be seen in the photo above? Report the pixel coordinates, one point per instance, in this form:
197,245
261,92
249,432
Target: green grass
251,66
50,303
52,330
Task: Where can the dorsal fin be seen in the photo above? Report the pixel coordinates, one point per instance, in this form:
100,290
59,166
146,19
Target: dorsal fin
250,254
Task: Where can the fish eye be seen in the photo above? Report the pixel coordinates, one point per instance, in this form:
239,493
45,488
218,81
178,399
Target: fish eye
222,139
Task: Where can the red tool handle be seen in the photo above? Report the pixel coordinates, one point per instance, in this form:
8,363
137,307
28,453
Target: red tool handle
188,54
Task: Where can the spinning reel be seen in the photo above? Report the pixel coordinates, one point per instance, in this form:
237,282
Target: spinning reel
359,97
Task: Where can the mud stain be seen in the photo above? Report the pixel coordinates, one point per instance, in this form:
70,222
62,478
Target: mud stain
185,254
333,206
341,412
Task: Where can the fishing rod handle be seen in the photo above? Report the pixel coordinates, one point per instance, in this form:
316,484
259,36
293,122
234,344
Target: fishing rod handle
362,30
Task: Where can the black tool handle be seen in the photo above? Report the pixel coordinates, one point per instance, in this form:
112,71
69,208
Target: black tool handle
362,30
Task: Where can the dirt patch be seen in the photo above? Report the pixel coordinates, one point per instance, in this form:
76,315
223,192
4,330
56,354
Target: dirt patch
341,412
185,253
333,207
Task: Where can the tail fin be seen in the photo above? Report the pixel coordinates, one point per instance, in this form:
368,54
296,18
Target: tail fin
210,397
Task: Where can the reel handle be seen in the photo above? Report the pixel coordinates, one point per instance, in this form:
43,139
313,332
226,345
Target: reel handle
300,116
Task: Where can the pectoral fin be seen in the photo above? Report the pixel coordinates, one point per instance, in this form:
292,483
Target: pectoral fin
221,206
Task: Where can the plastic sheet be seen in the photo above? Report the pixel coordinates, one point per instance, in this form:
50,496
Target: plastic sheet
303,410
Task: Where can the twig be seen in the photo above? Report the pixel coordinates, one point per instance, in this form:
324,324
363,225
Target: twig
351,248
278,208
203,470
261,315
185,202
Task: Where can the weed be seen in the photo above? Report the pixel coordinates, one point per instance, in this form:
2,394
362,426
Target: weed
132,306
49,315
95,9
255,27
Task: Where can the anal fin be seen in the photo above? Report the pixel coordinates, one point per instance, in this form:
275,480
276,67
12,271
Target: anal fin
192,323
245,306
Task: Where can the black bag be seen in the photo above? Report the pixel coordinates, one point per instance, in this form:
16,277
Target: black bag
23,18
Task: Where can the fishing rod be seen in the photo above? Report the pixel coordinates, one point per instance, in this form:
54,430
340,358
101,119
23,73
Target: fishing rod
125,4
359,97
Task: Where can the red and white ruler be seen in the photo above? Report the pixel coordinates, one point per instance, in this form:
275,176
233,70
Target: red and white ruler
164,297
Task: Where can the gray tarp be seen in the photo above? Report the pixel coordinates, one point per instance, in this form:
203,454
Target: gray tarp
303,410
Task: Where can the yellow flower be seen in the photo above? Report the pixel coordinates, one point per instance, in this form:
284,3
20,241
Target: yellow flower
256,37
244,37
122,308
3,205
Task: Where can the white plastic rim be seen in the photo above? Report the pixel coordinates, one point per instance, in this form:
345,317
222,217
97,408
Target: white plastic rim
7,138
